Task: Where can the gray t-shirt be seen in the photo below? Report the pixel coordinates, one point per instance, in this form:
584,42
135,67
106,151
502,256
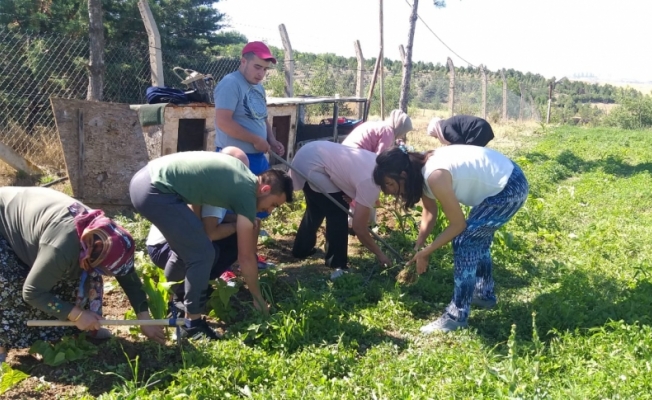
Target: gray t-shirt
249,107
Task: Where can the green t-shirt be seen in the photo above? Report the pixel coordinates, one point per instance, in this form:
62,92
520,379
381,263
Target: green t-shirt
204,177
40,230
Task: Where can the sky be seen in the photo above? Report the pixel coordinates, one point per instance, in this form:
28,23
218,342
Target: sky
609,39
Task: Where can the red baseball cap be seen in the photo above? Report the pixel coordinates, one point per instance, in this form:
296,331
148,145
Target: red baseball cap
260,49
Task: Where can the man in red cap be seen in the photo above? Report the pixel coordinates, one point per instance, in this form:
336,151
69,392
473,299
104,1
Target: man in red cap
241,111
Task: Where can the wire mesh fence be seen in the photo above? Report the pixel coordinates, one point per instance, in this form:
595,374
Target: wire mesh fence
35,67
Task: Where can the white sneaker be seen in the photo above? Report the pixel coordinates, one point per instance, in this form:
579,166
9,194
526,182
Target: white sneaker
443,324
337,273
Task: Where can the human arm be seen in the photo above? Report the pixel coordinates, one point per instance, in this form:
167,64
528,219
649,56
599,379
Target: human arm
50,267
248,261
225,122
215,226
216,230
428,220
275,145
360,224
133,288
441,185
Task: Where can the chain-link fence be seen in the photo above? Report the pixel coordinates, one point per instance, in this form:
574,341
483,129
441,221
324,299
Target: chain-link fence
35,67
428,90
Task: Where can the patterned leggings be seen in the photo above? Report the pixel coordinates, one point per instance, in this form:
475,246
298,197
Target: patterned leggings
473,266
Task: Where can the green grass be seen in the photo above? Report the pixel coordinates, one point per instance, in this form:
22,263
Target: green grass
574,283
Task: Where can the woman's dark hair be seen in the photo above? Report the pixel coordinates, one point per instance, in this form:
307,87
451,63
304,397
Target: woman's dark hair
391,163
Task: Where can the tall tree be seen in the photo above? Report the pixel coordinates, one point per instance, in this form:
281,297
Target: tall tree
188,25
407,62
96,62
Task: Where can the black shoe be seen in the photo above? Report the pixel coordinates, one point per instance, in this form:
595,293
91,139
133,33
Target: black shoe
311,253
176,309
199,331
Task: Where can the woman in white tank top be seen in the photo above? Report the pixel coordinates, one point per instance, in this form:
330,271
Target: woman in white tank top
492,184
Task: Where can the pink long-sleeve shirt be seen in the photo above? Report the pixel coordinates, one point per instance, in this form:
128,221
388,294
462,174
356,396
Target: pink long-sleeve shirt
375,137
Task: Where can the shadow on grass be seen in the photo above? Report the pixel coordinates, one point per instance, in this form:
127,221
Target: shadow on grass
577,301
573,165
96,372
611,164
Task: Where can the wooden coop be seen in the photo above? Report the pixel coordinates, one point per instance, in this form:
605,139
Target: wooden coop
105,144
294,125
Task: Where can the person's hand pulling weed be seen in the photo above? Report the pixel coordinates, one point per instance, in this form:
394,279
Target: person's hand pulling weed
421,261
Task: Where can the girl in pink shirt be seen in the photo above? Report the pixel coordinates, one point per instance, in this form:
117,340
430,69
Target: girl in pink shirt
376,137
339,171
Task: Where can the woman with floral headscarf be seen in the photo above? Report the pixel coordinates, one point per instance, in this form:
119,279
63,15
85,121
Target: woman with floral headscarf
53,254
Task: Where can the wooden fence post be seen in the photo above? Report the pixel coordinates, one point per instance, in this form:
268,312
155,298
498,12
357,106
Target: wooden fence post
373,84
289,62
18,162
551,84
382,65
502,75
451,86
533,107
359,84
521,104
484,91
154,39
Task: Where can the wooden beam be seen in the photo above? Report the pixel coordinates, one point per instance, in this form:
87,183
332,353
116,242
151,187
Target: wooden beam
382,66
451,86
17,162
373,84
288,63
483,71
359,84
502,74
154,39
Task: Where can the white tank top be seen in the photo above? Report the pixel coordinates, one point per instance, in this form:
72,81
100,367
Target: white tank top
478,172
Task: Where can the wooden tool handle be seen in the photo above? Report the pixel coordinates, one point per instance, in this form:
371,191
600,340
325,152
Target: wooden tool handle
113,322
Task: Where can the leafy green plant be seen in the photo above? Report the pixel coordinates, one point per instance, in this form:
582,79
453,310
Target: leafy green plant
158,294
219,303
10,377
68,349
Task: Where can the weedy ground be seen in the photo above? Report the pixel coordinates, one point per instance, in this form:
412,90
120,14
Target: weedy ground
573,280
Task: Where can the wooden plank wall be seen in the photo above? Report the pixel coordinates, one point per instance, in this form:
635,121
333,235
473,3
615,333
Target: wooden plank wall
103,147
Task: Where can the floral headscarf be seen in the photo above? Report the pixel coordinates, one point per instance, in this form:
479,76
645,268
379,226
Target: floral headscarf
106,249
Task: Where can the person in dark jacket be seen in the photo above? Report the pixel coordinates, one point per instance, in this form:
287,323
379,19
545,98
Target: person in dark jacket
461,129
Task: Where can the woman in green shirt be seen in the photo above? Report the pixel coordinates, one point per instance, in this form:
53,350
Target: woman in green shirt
53,254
